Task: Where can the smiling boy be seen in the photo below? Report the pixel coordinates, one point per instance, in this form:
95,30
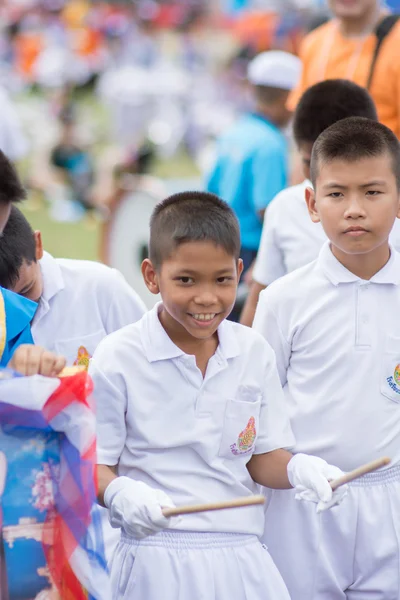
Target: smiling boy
190,409
332,325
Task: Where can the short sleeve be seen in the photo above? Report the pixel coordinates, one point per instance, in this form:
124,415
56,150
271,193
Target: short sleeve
269,264
126,306
110,403
268,174
274,426
266,323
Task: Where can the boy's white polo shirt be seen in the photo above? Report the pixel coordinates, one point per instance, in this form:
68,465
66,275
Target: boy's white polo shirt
82,302
290,239
337,345
165,425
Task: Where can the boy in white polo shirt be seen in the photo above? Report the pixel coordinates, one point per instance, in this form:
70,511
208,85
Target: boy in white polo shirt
80,302
332,325
289,240
190,410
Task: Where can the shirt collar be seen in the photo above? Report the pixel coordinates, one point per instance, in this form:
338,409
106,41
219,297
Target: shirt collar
337,273
159,346
53,281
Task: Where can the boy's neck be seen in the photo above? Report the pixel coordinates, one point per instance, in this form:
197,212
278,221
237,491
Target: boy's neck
202,350
364,266
364,25
266,113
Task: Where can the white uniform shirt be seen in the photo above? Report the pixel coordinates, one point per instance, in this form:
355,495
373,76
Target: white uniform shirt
289,238
337,346
82,302
165,425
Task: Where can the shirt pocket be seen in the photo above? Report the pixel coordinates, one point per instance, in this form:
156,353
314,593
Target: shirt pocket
390,370
79,350
240,426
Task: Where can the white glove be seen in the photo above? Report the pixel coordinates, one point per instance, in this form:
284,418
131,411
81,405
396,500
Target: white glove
310,476
136,507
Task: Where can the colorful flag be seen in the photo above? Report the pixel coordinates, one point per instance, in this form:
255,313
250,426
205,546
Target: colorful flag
48,491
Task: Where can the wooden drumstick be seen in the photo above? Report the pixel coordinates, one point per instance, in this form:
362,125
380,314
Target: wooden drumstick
368,468
198,508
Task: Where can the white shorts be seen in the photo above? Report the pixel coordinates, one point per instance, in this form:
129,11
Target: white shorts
351,551
176,565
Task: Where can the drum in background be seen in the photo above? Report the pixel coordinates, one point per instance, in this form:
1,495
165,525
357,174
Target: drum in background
124,243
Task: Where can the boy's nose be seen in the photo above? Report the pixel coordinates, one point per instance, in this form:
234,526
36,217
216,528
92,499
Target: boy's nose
354,208
206,298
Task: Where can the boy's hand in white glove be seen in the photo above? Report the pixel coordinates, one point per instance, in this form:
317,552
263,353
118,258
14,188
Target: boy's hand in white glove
310,476
136,507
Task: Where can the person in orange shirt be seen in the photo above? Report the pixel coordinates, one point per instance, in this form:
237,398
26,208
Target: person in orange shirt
344,48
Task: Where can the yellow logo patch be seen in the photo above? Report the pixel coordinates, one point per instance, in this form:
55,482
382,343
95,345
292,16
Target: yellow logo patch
83,357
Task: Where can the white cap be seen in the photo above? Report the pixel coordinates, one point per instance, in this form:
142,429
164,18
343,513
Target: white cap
275,69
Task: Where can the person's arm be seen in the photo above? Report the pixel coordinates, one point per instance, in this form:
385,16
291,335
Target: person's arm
105,475
269,264
270,470
250,306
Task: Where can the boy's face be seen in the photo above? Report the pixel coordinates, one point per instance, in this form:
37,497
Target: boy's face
30,280
198,284
357,203
305,149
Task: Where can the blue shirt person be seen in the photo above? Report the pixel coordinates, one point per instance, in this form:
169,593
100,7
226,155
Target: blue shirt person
16,314
251,168
251,164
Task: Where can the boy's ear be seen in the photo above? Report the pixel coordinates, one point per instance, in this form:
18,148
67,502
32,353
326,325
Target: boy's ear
239,269
39,245
150,276
311,205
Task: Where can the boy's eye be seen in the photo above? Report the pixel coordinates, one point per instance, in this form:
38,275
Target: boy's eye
185,279
373,192
224,279
335,194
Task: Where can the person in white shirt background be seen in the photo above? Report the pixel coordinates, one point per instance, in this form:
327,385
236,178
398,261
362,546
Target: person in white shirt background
13,141
289,239
79,302
333,327
199,418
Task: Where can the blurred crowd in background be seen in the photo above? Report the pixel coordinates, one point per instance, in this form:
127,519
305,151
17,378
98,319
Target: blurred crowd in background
95,93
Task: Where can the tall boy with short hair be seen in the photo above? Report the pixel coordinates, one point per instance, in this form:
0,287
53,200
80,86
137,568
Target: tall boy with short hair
190,409
332,325
289,240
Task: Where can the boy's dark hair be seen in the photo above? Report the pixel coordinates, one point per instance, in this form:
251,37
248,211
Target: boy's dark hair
269,95
192,217
353,139
327,102
11,189
17,245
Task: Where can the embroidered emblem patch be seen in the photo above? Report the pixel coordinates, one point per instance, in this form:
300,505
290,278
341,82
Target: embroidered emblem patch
394,380
83,358
246,439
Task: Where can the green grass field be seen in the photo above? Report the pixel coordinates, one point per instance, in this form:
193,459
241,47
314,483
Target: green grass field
82,239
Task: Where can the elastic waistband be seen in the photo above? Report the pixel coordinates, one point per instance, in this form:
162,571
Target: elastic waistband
378,478
182,540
